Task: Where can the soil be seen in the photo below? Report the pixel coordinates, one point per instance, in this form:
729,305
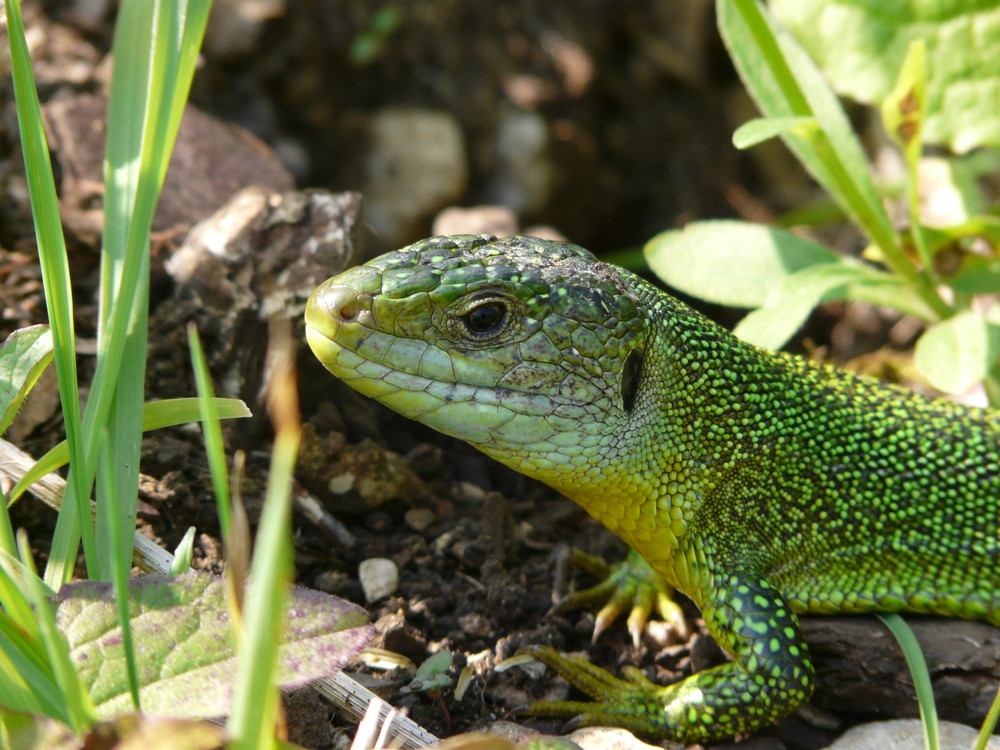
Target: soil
641,145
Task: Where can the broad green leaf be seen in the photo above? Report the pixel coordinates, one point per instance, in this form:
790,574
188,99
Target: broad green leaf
733,263
791,301
186,665
23,357
764,128
861,44
957,353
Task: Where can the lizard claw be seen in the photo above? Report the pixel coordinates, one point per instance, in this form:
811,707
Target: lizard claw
628,586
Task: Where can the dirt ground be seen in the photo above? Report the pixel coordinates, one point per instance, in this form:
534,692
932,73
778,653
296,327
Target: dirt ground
636,101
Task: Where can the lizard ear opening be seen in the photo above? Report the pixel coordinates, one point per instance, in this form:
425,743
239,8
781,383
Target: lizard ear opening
631,378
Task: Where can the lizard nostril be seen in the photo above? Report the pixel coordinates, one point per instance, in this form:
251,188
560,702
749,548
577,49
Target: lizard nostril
350,310
343,303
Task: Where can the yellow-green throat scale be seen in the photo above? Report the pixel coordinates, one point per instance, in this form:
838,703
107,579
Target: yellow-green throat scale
760,485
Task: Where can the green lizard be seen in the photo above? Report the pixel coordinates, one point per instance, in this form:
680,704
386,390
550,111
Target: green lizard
760,485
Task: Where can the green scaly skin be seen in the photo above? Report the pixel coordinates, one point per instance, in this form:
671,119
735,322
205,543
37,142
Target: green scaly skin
760,485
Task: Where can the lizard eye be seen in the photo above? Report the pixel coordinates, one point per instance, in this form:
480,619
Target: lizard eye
486,319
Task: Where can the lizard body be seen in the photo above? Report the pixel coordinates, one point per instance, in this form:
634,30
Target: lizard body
760,485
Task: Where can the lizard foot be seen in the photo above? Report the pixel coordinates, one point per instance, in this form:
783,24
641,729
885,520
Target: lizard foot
630,585
633,703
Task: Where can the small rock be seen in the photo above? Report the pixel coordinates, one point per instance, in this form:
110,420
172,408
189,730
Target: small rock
379,578
608,738
419,519
341,483
496,220
904,734
417,166
211,161
525,172
468,492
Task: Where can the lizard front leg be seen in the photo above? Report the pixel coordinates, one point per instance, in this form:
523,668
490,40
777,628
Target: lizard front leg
771,674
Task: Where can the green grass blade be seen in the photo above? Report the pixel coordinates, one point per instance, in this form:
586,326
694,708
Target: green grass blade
7,543
918,671
213,431
58,291
27,686
121,559
79,709
156,44
989,723
251,722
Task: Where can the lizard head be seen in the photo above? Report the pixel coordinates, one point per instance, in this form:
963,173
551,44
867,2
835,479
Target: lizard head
530,350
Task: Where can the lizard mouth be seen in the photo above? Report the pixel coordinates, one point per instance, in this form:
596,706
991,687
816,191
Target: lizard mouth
341,331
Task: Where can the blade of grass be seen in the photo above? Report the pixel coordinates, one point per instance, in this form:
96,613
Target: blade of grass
213,431
156,47
28,682
27,686
58,292
121,558
7,543
918,672
79,709
989,723
251,723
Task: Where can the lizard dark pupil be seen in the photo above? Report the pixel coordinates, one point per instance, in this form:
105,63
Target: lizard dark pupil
486,318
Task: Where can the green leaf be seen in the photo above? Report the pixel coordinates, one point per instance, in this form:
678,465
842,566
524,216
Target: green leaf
764,128
23,357
790,303
903,109
432,674
861,44
184,553
957,353
733,263
187,666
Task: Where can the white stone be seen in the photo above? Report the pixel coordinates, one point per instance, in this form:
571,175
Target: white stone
906,734
379,578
